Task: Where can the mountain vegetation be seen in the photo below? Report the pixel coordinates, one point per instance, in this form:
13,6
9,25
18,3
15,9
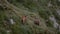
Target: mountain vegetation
47,12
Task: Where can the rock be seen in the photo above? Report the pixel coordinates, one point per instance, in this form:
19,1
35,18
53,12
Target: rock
52,18
58,11
49,4
55,25
8,31
12,21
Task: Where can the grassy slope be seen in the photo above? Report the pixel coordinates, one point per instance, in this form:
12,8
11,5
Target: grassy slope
26,8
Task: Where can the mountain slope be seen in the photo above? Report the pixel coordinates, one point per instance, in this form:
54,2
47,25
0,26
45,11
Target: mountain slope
30,8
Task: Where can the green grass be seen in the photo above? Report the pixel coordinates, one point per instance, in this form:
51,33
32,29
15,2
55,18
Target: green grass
18,28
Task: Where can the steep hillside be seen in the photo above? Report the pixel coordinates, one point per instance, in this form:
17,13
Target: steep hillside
46,11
